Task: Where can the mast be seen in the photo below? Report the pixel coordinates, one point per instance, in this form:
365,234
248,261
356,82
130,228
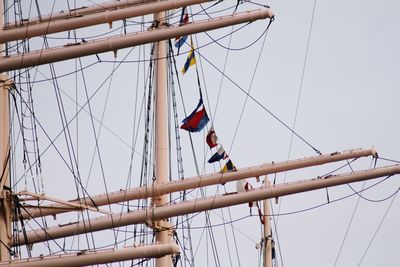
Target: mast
163,231
267,238
5,203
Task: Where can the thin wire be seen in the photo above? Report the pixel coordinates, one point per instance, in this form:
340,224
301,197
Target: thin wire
213,115
300,90
377,230
82,107
145,60
272,214
332,201
352,216
348,226
249,94
70,148
375,200
135,125
250,87
390,160
97,148
277,236
58,76
260,104
208,220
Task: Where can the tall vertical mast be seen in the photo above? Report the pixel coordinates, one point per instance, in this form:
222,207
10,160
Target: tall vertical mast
161,136
267,230
5,204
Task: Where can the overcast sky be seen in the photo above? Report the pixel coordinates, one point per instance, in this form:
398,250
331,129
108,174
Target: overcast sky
340,93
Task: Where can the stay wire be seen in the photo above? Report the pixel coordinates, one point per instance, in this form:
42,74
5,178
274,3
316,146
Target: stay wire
390,160
82,107
332,201
233,236
260,104
67,135
377,229
41,227
299,94
70,147
145,60
222,77
244,105
350,222
190,136
239,48
135,127
207,213
277,235
212,125
52,143
199,84
250,87
300,90
97,147
272,213
374,200
186,235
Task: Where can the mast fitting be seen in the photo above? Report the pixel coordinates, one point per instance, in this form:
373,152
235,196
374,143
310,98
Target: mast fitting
158,225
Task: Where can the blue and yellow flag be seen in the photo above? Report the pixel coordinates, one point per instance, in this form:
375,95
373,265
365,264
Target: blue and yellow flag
191,60
228,167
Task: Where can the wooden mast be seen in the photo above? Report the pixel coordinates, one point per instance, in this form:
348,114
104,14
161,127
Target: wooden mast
162,228
267,238
5,199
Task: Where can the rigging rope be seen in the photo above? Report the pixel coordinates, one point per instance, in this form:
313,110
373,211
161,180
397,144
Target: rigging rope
186,234
213,116
260,104
377,229
300,91
354,211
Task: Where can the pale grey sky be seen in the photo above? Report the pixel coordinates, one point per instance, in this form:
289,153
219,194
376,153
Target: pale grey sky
345,96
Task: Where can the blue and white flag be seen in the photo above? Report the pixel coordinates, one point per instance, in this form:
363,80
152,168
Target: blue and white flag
220,154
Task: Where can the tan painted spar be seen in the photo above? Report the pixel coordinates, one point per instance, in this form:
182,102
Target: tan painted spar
94,19
187,207
196,182
77,12
115,43
85,258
